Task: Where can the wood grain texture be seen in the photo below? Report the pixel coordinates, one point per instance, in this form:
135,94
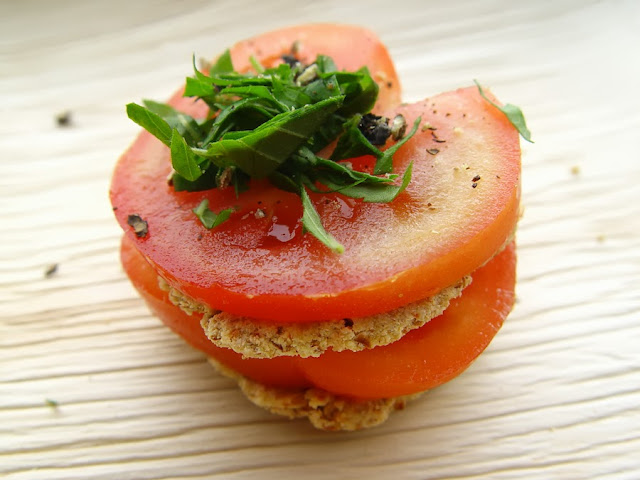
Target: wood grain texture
557,394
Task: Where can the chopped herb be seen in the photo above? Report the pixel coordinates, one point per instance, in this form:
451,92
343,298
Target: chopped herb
513,114
51,403
209,218
435,137
312,223
140,226
271,124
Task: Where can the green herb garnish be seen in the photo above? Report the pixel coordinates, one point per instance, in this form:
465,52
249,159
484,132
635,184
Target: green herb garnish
513,114
271,124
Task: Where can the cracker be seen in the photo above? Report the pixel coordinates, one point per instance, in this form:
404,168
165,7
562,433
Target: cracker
255,338
324,410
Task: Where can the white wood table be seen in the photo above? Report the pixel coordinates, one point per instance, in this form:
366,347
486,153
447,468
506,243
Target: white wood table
92,386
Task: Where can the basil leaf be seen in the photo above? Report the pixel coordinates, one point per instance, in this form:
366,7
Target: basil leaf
229,80
262,151
257,66
371,192
256,91
186,125
364,96
183,159
283,182
312,223
384,164
234,116
223,64
289,95
348,173
326,64
198,88
206,181
209,218
513,114
322,89
151,122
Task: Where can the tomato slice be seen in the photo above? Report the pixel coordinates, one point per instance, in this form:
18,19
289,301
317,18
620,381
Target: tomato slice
278,372
262,266
431,355
422,359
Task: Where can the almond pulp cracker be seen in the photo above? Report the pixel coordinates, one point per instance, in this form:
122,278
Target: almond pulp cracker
255,338
324,410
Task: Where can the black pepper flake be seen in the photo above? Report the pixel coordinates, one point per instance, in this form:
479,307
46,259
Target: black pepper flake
348,322
375,128
63,119
51,270
140,226
476,178
435,137
290,60
389,84
114,208
433,151
474,185
447,114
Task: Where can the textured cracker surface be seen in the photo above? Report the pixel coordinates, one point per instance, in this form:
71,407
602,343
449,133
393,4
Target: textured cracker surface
324,410
261,339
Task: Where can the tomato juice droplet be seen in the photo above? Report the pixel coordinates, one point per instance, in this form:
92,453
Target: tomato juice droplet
284,223
281,231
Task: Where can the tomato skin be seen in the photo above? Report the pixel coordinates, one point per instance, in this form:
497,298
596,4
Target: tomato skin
431,355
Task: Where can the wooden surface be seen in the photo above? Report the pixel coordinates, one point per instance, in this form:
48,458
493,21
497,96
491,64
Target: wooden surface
556,396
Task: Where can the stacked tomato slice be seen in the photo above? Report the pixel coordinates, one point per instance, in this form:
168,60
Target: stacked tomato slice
454,219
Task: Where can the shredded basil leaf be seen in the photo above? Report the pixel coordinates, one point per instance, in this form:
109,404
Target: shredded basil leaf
151,122
313,224
513,114
183,159
272,124
209,218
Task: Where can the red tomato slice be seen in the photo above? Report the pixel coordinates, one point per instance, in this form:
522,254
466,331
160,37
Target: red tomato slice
431,355
422,359
264,267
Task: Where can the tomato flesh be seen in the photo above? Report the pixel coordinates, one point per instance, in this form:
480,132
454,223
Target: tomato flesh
422,359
